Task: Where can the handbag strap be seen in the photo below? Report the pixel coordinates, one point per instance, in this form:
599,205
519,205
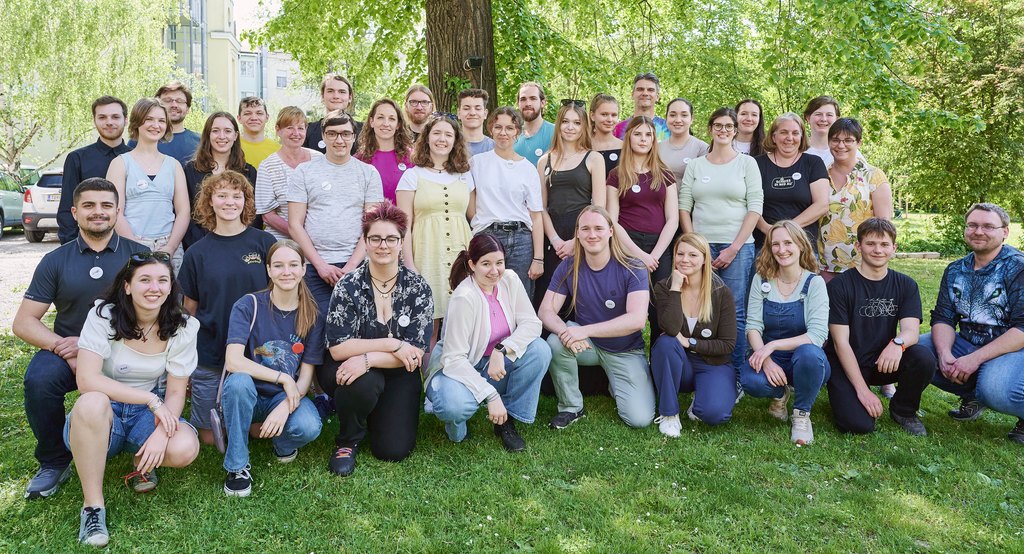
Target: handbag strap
224,370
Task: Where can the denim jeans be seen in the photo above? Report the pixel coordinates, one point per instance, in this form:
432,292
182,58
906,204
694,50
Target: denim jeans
647,242
998,383
737,277
678,370
519,252
130,428
319,288
806,370
48,379
519,390
242,407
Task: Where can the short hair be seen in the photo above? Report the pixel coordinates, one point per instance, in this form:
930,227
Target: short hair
848,126
290,115
769,139
93,184
540,89
876,226
336,77
175,86
387,213
138,116
817,102
512,113
337,117
474,93
1004,217
647,77
251,102
419,88
203,213
106,101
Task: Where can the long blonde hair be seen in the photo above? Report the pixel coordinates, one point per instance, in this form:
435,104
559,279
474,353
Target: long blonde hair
307,312
618,251
557,145
707,275
768,267
626,170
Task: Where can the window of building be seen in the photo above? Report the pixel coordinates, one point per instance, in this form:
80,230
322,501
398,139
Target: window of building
282,78
248,69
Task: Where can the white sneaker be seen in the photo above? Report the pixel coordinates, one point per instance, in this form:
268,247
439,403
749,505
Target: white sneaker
669,425
801,432
777,408
690,414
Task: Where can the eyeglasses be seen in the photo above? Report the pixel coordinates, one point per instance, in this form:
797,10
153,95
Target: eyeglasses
984,228
577,103
849,141
419,103
445,115
390,240
173,101
723,127
143,257
333,135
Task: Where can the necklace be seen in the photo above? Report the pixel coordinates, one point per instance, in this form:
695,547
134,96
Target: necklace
383,291
145,333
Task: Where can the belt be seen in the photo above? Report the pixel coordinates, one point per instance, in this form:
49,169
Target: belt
507,226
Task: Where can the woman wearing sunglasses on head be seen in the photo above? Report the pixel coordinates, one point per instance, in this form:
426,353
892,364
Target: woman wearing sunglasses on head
134,339
435,197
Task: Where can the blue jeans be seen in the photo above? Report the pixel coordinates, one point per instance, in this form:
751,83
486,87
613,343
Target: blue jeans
319,288
129,429
48,379
519,252
737,277
519,390
676,370
806,369
998,383
242,406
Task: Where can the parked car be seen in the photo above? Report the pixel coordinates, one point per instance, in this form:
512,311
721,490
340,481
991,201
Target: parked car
11,190
40,203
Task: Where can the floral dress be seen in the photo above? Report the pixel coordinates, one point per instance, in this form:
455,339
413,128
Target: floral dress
847,208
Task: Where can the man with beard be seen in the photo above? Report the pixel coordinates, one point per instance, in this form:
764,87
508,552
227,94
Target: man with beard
70,278
108,116
537,133
336,93
646,90
177,98
419,104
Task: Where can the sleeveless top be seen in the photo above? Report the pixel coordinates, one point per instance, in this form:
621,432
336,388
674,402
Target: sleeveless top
149,202
569,191
611,160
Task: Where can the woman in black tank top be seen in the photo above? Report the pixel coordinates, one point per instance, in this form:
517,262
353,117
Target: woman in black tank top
604,115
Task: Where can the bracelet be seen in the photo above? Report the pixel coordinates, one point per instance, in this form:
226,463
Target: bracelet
538,259
155,403
400,345
366,360
278,380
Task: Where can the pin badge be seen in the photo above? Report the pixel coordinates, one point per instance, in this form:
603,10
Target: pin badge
706,333
766,288
142,184
538,152
609,304
325,185
547,171
123,368
402,167
613,156
322,144
686,160
403,320
635,188
705,179
797,176
96,272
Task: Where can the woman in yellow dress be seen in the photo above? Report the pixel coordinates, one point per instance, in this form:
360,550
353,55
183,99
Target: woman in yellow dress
435,196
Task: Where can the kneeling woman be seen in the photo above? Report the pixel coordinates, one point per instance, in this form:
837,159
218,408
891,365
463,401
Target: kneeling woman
698,317
787,322
491,349
135,337
379,323
275,338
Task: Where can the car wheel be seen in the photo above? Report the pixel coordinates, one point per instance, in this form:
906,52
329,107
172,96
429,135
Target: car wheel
35,236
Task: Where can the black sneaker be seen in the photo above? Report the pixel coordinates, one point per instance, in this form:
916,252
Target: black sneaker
910,424
238,483
324,406
565,419
969,410
510,438
1017,433
343,462
46,481
92,526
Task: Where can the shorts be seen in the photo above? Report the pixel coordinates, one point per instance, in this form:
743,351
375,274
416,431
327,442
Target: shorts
130,428
204,381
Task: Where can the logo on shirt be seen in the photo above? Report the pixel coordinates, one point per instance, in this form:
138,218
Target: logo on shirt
252,258
782,183
879,307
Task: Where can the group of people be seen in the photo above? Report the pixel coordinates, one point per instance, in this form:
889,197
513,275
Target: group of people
463,257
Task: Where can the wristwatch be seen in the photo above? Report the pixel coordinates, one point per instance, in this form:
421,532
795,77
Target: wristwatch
693,342
901,343
500,348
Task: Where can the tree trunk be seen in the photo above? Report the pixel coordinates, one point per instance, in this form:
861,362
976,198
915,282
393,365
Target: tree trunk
458,30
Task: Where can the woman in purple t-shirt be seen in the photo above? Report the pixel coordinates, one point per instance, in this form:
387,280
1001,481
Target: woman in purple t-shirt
386,144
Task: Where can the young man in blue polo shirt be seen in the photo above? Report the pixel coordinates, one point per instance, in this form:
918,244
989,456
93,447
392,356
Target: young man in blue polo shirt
70,278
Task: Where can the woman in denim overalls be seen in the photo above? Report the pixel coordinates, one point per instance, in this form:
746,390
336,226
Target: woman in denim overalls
787,322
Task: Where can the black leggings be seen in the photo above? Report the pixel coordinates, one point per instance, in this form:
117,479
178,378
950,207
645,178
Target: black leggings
915,372
384,403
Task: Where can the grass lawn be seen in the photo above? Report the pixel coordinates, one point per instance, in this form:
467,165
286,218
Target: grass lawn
597,486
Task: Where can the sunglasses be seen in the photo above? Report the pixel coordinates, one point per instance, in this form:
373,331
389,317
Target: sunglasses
445,115
577,103
143,257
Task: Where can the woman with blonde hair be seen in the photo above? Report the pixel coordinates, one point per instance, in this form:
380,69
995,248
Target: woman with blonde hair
275,339
787,323
698,317
604,116
274,171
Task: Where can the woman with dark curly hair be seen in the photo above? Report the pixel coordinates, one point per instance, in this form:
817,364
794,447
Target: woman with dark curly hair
135,338
223,266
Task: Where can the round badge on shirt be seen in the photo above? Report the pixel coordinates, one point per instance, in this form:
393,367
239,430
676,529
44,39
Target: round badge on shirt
705,179
635,188
325,185
403,320
547,171
322,144
610,304
613,156
797,176
402,167
538,152
706,333
686,160
766,288
96,272
142,184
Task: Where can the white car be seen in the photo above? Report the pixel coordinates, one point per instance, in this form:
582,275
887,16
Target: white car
39,205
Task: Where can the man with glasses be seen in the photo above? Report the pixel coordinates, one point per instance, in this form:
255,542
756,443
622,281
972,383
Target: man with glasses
537,133
419,103
978,322
336,93
177,98
326,200
646,90
70,278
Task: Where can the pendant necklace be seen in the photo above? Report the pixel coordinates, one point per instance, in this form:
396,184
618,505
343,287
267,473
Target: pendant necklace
145,334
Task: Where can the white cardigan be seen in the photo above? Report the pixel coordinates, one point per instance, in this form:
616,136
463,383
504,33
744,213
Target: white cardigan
467,330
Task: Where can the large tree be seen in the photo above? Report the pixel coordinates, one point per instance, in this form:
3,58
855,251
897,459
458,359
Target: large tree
57,57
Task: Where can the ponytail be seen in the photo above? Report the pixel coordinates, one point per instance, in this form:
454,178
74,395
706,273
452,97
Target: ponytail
479,246
460,269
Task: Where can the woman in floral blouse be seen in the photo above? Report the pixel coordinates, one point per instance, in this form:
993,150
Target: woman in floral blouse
379,324
859,191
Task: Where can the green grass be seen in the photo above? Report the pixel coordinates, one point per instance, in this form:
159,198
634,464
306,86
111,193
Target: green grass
597,486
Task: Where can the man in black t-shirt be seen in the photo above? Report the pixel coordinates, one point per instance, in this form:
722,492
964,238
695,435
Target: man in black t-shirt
337,93
865,306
